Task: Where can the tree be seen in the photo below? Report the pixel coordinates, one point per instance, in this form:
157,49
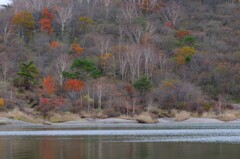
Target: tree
28,75
25,23
76,48
83,69
46,21
85,21
142,85
49,85
2,102
185,54
61,64
172,13
64,14
73,85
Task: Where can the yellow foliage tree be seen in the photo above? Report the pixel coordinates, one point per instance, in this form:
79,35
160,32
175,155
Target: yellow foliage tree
185,54
25,23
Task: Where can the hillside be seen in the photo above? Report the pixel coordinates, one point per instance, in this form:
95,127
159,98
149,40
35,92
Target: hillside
120,57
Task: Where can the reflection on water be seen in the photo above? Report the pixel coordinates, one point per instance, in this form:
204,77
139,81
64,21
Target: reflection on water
173,143
57,148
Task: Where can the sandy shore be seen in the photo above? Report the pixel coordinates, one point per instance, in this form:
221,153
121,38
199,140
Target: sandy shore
82,122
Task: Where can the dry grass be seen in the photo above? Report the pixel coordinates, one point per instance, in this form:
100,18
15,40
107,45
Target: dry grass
173,112
19,115
93,114
229,115
63,117
126,117
183,115
146,118
209,115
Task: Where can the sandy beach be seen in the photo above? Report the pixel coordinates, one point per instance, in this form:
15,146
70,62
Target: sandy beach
110,121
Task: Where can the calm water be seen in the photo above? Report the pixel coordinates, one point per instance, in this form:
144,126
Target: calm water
205,141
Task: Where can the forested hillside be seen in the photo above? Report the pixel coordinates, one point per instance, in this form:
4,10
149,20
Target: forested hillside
120,56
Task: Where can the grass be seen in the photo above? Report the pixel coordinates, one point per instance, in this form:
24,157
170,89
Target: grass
229,115
22,116
63,117
182,115
209,115
126,117
146,118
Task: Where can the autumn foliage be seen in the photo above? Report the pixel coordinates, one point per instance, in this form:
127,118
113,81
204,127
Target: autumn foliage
73,85
184,55
54,44
25,22
2,102
76,48
48,85
46,21
182,34
148,6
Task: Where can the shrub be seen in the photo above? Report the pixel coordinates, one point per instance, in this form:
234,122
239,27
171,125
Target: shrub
181,116
146,118
111,113
63,117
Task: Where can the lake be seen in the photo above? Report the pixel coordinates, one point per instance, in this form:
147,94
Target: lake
119,141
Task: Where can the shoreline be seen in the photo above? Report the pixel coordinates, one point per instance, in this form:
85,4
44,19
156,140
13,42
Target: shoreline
110,121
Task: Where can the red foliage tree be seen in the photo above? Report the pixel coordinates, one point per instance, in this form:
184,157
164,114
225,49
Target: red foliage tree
46,21
48,85
74,85
44,101
54,44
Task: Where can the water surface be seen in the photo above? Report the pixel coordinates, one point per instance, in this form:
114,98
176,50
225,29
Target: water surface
174,141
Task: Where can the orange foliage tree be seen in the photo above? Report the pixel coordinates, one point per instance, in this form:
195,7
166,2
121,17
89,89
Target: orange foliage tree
54,44
49,85
2,102
46,21
73,85
182,34
76,48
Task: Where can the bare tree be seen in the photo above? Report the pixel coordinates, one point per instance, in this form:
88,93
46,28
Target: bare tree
122,62
132,30
134,58
64,14
62,63
107,4
162,62
99,91
5,26
172,13
149,61
5,66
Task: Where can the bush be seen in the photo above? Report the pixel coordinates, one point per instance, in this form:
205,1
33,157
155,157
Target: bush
110,113
179,95
181,116
63,117
146,118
